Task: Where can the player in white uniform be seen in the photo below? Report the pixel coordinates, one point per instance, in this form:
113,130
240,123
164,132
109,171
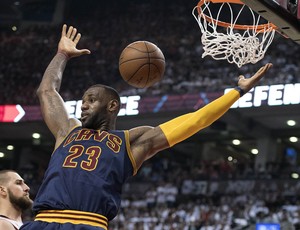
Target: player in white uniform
14,199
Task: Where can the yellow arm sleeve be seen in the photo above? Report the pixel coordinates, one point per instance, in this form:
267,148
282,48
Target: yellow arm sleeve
181,128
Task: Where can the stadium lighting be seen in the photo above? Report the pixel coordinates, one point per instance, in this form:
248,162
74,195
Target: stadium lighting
295,175
2,154
254,151
293,139
236,142
229,158
291,123
36,135
10,147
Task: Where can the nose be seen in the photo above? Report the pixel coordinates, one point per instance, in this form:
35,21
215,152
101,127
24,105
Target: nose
27,189
84,106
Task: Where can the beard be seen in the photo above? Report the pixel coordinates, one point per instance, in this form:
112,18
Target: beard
22,203
94,121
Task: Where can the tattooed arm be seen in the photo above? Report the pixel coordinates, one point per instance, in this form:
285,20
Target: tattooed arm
52,104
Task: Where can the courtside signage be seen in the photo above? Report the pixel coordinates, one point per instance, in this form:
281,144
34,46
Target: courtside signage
273,95
129,106
11,113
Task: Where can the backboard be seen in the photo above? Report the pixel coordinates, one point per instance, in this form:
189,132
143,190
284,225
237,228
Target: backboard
285,14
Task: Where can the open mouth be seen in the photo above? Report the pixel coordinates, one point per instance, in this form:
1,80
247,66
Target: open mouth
83,116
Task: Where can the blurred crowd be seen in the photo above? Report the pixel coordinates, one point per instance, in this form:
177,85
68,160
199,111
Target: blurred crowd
25,53
192,194
166,194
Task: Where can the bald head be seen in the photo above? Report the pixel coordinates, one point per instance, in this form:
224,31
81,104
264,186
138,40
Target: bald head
5,176
109,94
108,90
14,192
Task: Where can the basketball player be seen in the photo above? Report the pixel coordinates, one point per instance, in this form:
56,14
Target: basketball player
92,160
14,199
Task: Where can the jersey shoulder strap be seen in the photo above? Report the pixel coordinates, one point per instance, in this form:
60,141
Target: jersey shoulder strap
14,223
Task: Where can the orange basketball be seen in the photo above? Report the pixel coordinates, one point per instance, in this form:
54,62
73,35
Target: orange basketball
142,64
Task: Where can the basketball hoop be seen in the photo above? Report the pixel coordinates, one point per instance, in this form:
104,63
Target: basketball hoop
242,41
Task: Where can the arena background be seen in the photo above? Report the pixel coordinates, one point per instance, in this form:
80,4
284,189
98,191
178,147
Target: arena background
206,182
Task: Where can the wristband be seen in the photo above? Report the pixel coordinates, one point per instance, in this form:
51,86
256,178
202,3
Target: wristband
239,89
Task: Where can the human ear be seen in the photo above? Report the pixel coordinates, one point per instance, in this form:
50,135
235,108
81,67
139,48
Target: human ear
113,105
2,190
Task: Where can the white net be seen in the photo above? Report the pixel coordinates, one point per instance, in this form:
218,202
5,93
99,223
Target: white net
239,46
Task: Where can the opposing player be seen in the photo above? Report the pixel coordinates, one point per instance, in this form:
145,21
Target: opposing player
92,160
14,199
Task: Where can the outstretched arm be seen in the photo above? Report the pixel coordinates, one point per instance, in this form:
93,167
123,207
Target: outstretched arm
149,140
187,125
52,104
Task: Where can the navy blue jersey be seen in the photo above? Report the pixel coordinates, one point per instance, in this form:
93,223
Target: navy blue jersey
86,173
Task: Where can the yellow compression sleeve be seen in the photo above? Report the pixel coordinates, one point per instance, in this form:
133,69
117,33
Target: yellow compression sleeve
181,128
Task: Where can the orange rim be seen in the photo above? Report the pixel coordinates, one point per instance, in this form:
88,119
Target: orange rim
259,28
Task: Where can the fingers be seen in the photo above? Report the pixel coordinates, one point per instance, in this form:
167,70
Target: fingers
77,38
259,74
264,69
71,33
70,30
68,42
64,29
247,84
85,51
269,65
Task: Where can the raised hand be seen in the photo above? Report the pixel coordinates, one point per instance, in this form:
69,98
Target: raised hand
68,41
248,83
